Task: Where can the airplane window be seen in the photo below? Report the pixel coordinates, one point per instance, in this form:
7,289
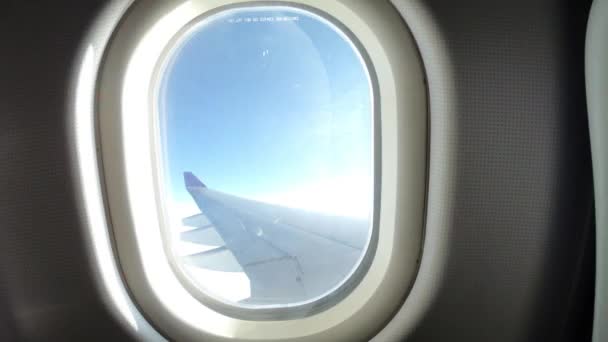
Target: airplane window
266,133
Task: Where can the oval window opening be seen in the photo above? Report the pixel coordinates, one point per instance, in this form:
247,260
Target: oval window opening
266,126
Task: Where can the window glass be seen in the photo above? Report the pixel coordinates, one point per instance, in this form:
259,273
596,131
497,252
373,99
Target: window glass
266,133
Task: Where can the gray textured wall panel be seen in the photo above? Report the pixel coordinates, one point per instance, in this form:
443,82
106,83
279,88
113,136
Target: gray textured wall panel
510,176
519,201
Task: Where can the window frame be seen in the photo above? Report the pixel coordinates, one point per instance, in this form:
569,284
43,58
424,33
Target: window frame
333,295
403,122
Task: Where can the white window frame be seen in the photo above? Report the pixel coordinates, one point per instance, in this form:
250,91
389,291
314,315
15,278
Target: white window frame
338,292
126,153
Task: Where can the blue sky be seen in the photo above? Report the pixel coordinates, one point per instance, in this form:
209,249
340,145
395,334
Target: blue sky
264,109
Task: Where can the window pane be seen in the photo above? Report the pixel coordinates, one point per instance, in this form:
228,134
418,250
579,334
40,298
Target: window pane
266,125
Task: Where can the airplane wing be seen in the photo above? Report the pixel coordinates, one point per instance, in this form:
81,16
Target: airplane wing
287,254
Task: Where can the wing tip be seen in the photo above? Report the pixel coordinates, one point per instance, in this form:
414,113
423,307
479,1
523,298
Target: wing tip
192,181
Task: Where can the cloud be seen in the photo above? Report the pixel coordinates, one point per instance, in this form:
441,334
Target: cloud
348,195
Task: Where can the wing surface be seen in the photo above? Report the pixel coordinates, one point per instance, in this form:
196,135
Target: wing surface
287,254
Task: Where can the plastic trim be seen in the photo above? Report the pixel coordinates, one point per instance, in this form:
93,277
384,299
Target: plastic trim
128,66
596,64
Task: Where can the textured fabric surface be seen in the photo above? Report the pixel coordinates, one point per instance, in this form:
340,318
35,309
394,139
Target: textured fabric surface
46,288
510,178
516,205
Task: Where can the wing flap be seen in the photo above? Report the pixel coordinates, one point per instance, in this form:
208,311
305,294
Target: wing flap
203,236
217,259
197,221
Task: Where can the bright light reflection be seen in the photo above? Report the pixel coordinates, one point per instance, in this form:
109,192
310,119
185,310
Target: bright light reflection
89,180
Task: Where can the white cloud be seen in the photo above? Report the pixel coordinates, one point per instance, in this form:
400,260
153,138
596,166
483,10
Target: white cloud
343,196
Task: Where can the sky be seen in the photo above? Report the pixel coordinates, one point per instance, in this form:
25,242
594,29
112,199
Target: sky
272,105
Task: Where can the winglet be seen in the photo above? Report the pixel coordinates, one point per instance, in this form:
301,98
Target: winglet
192,181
